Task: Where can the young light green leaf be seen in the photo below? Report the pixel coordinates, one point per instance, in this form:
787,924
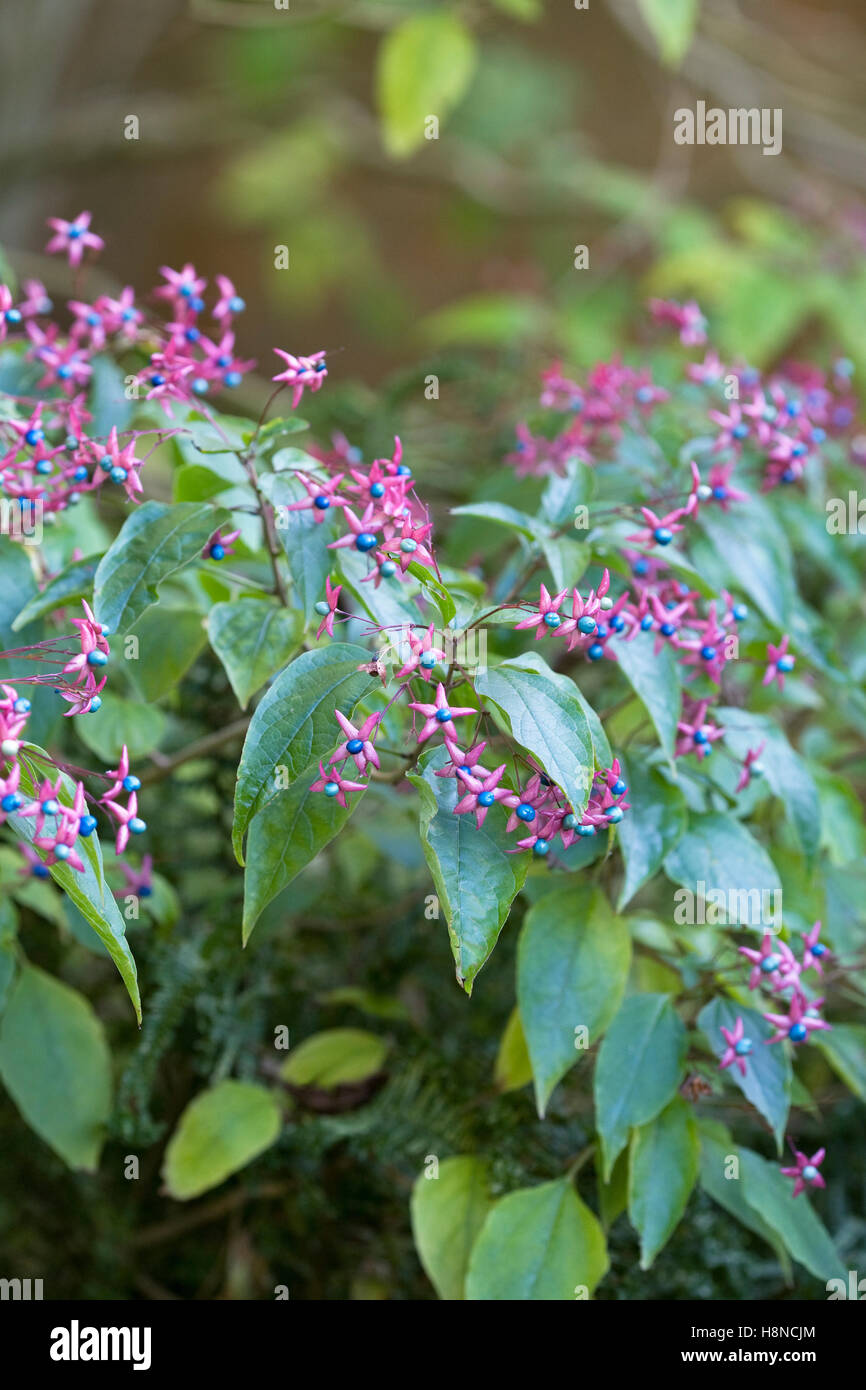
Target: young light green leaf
448,1211
672,23
663,1169
55,1064
540,1244
572,966
153,542
767,1082
253,639
544,712
639,1067
335,1057
475,877
293,725
220,1131
424,65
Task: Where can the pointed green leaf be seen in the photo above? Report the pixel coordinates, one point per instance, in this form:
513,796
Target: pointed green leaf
655,681
253,639
663,1169
767,1082
448,1211
153,542
220,1131
652,826
639,1066
539,1243
424,66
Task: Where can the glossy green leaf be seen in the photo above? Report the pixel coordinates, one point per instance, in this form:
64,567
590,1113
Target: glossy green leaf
754,556
424,66
651,827
73,583
720,1179
253,639
475,877
545,714
294,726
153,542
169,640
793,1219
663,1168
220,1131
55,1064
131,722
767,1082
655,682
539,1243
448,1209
640,1064
572,966
719,853
844,1046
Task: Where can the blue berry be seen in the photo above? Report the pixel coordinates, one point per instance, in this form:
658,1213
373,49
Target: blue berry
585,831
443,715
13,316
50,807
403,471
586,625
428,661
34,436
785,663
667,629
818,949
617,623
770,963
743,1047
570,821
541,847
97,658
236,304
87,825
332,788
552,620
95,704
355,745
377,489
365,540
322,608
61,852
662,536
232,379
525,812
699,736
740,612
118,474
137,826
740,431
322,502
486,798
614,814
619,787
387,569
201,386
408,546
798,1032
131,784
646,622
595,652
810,1172
720,493
641,566
192,334
157,379
708,653
11,801
40,871
217,551
80,474
22,706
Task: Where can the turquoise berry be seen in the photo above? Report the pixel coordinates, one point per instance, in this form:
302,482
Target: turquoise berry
810,1172
525,812
236,304
365,540
428,661
443,715
137,826
322,608
377,490
22,706
662,536
322,503
387,569
232,379
201,386
552,619
97,658
95,704
408,546
569,822
740,612
541,847
13,316
131,784
11,801
785,663
756,770
595,652
770,963
217,551
646,622
50,807
743,1047
43,466
486,798
798,1032
61,852
585,831
87,825
355,745
586,625
118,474
332,788
614,814
619,787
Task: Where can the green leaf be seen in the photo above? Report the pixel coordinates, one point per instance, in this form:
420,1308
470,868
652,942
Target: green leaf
672,23
476,879
513,1069
169,640
655,681
73,582
845,1049
335,1057
720,1180
754,556
423,68
572,966
87,890
509,517
55,1064
253,639
718,852
539,1243
293,725
304,540
785,772
795,1222
639,1067
220,1131
544,712
767,1083
139,726
653,825
663,1169
448,1211
153,542
284,837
